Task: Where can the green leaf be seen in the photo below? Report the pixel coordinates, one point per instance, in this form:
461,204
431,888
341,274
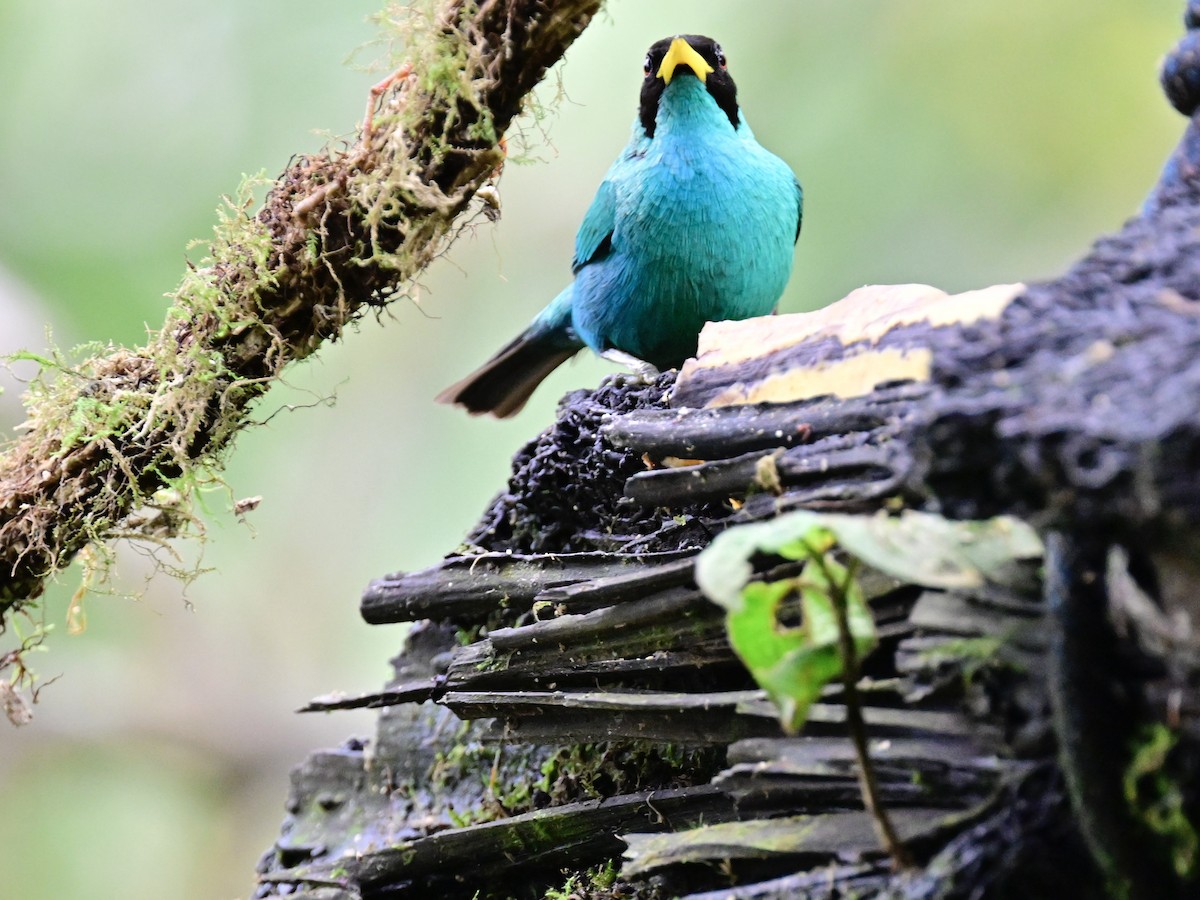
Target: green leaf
928,550
784,661
915,547
793,664
723,569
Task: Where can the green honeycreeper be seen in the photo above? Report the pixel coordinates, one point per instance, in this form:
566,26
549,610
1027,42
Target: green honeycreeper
695,222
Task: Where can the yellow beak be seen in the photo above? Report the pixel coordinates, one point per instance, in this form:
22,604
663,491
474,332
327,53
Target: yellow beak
681,53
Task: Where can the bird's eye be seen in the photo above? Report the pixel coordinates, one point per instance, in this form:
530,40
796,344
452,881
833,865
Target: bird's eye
646,65
720,56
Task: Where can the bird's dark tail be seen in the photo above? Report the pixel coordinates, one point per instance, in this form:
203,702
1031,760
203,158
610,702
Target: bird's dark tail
502,385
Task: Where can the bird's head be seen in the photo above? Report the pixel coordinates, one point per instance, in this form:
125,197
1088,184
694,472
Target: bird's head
686,56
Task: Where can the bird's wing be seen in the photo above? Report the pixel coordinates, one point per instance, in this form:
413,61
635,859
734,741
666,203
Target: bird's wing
799,206
594,239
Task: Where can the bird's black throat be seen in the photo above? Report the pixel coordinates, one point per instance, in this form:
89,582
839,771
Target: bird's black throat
718,83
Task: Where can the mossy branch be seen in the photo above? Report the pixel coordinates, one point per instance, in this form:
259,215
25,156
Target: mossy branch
339,233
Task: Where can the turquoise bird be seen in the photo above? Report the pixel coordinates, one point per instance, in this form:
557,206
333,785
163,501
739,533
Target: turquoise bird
695,222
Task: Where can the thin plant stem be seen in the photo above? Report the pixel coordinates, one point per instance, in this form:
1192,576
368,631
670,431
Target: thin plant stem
856,723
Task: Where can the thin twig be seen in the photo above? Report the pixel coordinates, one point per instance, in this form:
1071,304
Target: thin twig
868,785
377,91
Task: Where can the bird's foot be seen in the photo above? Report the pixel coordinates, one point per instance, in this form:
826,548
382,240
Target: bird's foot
640,369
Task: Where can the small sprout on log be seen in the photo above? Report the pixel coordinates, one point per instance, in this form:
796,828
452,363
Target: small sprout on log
794,664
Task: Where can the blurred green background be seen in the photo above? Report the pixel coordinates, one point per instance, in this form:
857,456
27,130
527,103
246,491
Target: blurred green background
959,144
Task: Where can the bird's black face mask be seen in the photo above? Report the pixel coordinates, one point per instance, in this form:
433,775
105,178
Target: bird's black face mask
689,55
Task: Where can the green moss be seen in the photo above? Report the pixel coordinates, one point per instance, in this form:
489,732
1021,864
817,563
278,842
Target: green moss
972,654
519,796
470,817
466,636
490,781
594,882
141,433
1157,799
443,59
609,768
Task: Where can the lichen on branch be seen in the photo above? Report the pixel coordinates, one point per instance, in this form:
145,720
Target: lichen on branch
339,233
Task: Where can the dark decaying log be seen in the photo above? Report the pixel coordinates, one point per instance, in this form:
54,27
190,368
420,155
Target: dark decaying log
570,701
651,671
469,588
